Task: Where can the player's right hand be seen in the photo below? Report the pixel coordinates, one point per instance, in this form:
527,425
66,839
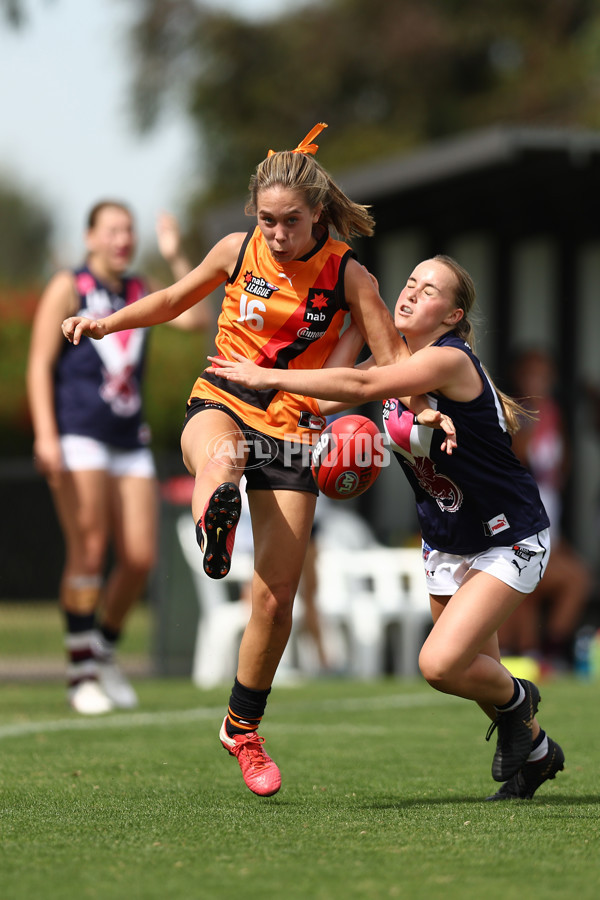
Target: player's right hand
47,456
432,418
76,327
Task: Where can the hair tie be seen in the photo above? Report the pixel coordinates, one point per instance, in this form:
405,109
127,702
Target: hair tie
305,146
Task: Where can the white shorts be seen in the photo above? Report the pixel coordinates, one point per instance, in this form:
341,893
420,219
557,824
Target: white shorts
520,566
84,453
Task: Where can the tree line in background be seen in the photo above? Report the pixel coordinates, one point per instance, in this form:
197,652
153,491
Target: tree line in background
387,76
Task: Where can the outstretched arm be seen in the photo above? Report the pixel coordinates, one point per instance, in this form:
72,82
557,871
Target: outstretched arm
379,330
166,304
425,371
429,369
345,353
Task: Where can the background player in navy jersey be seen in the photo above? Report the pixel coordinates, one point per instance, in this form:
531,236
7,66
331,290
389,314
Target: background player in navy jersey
485,531
289,284
90,441
544,626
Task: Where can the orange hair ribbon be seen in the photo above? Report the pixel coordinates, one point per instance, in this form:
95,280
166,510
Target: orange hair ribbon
305,145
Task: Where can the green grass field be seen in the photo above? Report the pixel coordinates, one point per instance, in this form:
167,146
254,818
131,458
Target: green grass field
382,796
34,630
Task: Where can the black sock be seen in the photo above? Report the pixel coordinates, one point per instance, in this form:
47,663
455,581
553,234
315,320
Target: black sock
79,639
110,635
513,699
78,624
246,709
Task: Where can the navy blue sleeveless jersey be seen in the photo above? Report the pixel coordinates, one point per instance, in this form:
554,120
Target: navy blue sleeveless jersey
98,383
480,496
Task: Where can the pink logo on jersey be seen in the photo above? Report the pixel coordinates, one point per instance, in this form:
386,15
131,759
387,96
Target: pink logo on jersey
85,283
444,491
120,391
135,290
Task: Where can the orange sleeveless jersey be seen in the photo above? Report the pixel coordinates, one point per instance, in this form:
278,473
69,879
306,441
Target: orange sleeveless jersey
280,316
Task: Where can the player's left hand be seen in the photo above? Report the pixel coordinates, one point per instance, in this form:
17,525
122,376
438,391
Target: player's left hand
76,327
241,370
433,418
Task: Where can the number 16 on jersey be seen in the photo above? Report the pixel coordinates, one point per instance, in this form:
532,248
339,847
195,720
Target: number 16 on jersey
250,309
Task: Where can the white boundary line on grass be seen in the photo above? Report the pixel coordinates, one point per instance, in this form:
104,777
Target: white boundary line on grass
145,719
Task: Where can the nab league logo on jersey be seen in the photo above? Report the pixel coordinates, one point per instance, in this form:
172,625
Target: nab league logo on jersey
254,284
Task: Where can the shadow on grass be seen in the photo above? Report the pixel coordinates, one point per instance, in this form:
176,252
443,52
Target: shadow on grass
458,800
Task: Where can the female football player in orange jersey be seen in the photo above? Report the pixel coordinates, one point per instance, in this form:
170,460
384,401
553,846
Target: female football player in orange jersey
288,287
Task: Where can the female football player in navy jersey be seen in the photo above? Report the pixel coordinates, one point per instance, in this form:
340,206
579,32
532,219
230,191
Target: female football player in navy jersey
484,529
91,443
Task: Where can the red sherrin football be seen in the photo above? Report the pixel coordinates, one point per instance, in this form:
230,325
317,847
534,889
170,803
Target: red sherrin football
347,458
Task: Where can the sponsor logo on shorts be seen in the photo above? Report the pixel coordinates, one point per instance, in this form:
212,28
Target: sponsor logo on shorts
523,552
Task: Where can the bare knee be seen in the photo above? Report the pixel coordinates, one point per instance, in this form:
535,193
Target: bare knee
275,602
138,563
87,554
144,560
436,671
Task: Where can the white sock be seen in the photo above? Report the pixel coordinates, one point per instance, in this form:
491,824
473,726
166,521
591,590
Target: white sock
102,648
539,752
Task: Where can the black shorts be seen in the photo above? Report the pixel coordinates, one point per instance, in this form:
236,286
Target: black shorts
271,464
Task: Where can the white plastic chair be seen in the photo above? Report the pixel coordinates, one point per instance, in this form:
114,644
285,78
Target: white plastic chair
364,595
402,599
223,615
373,593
